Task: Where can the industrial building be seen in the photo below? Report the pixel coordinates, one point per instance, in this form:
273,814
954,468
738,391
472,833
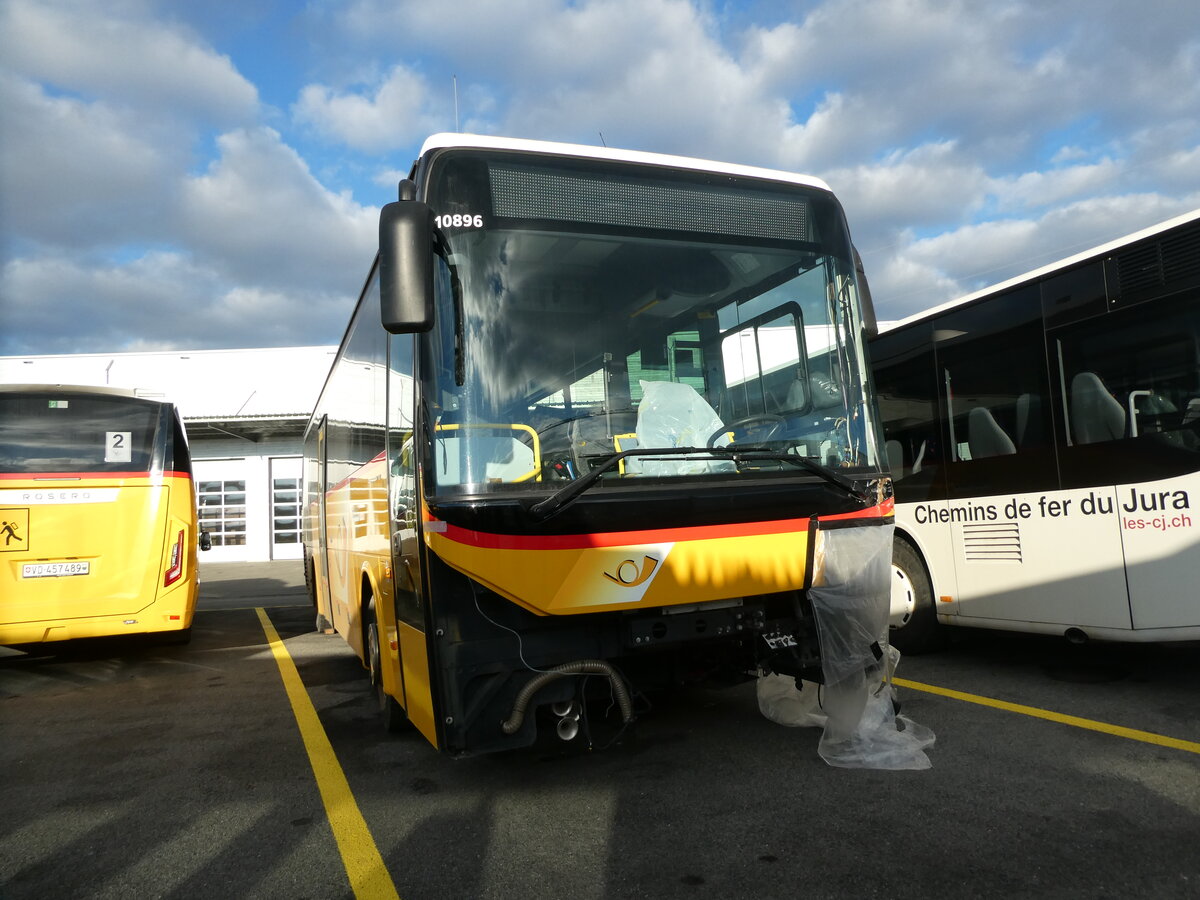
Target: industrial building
245,413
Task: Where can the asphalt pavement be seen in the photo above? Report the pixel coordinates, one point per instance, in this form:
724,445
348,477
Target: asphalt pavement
233,585
133,768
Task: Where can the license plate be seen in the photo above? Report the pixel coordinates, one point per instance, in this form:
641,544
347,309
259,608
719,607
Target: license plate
55,569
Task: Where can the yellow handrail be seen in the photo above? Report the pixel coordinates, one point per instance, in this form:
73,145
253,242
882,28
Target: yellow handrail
536,472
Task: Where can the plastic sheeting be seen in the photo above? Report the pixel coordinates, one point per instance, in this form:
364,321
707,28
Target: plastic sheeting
673,414
851,596
855,706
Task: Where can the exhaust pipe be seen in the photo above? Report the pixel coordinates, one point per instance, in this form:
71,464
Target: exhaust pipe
1076,636
580,667
568,721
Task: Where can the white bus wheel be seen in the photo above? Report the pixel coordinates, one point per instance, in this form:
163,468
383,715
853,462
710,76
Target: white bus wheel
912,621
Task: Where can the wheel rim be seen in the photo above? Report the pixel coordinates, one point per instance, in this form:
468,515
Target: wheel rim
904,598
373,653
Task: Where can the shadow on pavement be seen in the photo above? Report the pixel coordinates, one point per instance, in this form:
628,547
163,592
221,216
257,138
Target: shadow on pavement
243,584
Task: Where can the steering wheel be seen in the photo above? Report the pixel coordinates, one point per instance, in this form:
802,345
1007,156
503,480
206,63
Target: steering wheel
762,419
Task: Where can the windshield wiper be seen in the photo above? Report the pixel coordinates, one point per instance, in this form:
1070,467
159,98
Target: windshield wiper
544,509
833,476
567,494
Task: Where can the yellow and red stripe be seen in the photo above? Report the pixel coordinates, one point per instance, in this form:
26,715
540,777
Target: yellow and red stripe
581,573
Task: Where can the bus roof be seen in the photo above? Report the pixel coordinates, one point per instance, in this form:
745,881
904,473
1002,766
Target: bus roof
446,140
1099,250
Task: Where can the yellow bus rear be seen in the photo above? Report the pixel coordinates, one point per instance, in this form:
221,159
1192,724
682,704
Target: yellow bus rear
98,531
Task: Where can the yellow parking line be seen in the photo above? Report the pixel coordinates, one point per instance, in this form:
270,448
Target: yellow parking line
369,878
1133,734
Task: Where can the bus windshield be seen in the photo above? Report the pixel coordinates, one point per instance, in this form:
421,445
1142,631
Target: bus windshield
77,432
600,310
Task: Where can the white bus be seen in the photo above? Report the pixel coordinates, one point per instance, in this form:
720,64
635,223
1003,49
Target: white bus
1044,440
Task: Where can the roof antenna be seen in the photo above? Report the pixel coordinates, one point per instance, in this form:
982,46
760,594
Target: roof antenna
456,126
601,133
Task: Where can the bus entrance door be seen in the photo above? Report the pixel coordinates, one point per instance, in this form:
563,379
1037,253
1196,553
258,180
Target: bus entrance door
1160,528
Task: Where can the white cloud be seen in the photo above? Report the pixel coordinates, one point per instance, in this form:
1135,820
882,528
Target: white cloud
390,177
908,285
918,188
80,174
1040,190
61,304
1071,123
645,74
115,51
163,300
263,255
261,217
921,273
391,117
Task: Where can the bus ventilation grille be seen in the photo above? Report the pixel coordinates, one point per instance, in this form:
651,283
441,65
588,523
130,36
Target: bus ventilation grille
992,542
1171,262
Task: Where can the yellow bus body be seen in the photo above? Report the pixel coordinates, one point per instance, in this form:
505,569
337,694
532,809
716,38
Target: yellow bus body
135,535
98,523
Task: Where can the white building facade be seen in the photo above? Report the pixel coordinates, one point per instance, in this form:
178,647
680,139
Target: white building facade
245,412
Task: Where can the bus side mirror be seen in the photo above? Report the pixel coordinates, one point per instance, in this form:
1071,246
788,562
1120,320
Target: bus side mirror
205,541
406,266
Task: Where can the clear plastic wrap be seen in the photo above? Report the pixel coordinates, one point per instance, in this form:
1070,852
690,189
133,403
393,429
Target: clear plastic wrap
864,730
855,705
673,414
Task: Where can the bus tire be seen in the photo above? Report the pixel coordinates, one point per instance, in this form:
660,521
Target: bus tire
391,713
914,630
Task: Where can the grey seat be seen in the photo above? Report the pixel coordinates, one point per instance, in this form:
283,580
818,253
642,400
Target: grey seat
985,437
1095,414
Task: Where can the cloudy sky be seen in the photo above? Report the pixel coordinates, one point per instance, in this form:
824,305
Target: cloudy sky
208,175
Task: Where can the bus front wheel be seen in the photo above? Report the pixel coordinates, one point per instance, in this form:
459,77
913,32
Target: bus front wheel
913,624
392,713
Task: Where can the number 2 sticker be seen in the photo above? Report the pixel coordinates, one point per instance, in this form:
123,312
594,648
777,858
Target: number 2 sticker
117,446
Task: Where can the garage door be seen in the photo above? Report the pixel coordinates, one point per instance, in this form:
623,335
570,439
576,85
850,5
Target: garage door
221,501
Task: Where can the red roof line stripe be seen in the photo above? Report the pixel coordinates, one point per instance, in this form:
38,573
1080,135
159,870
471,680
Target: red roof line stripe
86,476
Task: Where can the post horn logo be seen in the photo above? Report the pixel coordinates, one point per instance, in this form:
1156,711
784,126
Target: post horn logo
628,574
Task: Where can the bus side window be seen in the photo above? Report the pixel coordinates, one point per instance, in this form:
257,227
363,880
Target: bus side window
994,385
1129,382
904,378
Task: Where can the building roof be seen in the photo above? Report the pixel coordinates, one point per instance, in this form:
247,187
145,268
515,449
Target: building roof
248,394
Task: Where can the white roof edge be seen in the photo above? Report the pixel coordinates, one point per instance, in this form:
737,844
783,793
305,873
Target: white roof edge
1049,267
331,348
488,142
32,387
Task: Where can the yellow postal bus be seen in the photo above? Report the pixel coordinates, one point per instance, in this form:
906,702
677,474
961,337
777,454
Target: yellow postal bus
98,530
600,421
